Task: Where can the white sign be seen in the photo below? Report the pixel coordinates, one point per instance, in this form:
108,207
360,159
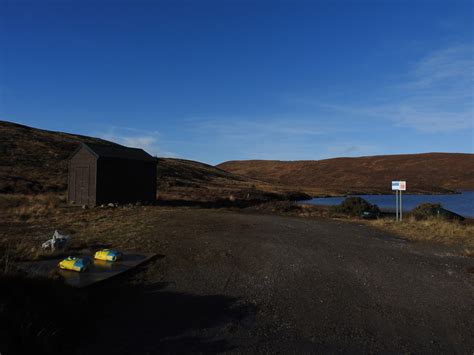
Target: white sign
399,185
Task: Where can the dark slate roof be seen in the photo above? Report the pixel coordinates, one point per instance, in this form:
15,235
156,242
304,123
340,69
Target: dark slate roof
118,152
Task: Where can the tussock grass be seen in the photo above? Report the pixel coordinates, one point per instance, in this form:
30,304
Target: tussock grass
12,252
432,229
468,252
21,208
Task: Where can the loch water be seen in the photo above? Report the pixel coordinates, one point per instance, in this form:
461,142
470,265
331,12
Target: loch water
461,203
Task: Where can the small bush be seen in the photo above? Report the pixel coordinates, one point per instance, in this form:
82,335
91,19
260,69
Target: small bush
355,206
430,210
426,210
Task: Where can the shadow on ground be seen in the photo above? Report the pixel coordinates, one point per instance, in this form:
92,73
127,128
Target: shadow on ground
45,316
150,319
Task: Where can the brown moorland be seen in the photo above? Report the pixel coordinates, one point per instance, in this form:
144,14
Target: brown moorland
224,279
425,173
35,161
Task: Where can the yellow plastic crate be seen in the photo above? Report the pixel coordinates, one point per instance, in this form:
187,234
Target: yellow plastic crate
108,255
74,264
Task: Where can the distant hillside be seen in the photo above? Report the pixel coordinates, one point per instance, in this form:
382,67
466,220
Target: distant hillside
425,173
35,161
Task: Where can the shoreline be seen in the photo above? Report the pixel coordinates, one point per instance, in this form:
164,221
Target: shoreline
459,192
387,209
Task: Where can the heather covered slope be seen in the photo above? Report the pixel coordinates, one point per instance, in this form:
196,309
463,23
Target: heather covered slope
180,179
425,173
35,161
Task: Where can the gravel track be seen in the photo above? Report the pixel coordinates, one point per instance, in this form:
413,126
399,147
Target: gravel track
236,282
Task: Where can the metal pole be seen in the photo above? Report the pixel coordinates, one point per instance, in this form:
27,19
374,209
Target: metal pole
401,208
396,205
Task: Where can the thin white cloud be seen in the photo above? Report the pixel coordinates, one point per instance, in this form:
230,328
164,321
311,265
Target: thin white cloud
136,138
243,128
451,65
297,139
351,149
438,95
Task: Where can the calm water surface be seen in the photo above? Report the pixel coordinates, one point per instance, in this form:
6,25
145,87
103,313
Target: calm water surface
462,203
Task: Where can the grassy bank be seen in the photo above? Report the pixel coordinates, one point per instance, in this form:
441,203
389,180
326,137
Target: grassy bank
27,221
24,208
433,230
437,230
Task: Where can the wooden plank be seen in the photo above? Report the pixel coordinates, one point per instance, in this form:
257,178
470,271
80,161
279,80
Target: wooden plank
98,271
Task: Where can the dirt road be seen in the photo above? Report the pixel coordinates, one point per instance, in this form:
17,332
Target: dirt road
237,282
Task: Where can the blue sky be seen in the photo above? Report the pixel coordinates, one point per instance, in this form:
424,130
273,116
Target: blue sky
235,79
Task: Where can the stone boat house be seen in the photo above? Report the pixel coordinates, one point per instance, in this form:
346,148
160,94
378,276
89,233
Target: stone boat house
100,174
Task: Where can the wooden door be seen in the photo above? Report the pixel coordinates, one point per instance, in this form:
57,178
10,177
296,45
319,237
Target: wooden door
81,185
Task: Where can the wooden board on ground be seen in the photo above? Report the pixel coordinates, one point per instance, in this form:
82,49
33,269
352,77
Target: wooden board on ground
98,271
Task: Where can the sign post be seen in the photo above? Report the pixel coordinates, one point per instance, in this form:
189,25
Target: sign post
401,208
396,205
398,187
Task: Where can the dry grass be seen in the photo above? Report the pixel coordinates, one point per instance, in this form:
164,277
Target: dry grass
22,208
35,161
16,249
10,252
468,252
30,220
435,230
289,208
27,227
22,213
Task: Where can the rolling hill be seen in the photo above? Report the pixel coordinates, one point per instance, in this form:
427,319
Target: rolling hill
425,173
35,161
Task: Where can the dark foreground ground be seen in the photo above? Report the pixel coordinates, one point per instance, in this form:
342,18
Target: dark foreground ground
246,283
228,281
